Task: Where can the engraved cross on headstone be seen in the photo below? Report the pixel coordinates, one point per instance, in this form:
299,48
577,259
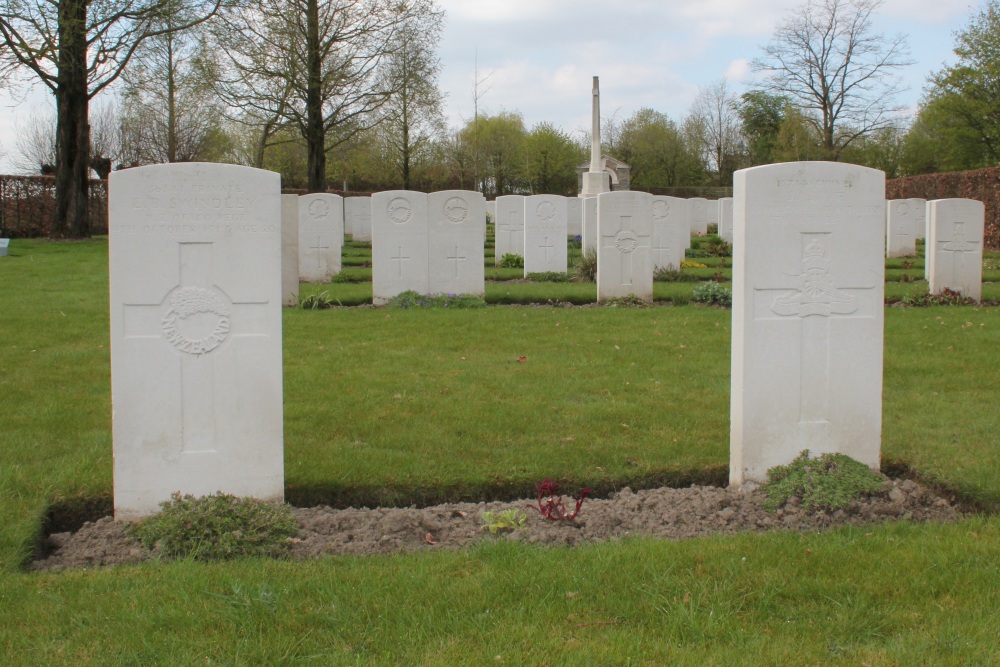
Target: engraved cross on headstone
661,246
456,259
400,258
513,228
319,256
813,298
546,246
199,321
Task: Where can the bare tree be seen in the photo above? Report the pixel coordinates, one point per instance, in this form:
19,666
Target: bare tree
312,65
718,130
36,141
77,48
413,112
827,58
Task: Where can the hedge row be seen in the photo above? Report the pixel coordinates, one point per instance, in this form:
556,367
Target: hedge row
27,206
981,184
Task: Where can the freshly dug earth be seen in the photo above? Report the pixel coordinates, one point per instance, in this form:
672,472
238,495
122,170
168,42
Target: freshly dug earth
666,513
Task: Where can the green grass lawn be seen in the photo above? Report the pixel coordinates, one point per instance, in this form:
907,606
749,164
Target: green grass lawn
396,406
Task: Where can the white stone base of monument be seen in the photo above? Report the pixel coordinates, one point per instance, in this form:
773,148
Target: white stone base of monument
808,285
595,183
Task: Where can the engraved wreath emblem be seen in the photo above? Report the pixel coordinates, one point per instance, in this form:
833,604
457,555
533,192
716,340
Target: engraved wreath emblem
189,308
319,208
626,241
661,210
399,210
456,210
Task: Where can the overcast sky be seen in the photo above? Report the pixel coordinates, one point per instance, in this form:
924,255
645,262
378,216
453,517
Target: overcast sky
537,57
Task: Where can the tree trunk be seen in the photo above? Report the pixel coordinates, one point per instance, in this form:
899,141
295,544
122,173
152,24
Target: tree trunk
72,214
315,135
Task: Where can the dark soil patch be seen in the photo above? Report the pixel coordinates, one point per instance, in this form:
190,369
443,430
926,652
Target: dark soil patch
664,512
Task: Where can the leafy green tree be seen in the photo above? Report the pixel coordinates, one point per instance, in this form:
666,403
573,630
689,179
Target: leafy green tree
552,158
659,153
761,115
499,161
958,126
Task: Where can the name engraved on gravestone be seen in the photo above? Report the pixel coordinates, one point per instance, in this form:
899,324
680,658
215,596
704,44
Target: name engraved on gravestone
195,333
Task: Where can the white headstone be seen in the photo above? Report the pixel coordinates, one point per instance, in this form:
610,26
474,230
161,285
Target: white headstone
904,222
955,246
399,244
700,214
545,241
4,244
289,250
574,217
196,381
510,227
671,232
589,206
457,234
358,216
808,272
726,219
625,225
321,236
491,211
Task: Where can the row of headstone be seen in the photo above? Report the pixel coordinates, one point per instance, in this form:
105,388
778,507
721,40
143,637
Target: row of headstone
427,243
537,228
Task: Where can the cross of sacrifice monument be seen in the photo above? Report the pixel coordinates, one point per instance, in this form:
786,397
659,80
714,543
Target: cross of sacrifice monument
625,241
812,298
197,319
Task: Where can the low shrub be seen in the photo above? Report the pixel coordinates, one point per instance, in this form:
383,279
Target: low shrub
630,301
511,261
411,299
712,293
670,274
946,298
685,264
586,267
828,482
217,527
548,277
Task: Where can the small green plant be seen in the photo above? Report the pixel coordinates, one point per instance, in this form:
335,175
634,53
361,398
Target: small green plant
828,482
716,246
548,277
345,278
713,294
511,261
217,527
946,298
510,519
411,299
586,267
671,274
693,265
318,301
630,301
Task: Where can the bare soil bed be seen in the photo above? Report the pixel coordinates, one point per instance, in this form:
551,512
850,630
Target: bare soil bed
665,513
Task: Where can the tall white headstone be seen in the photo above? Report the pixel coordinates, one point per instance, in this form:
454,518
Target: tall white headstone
700,215
545,240
321,236
457,234
808,272
289,250
625,227
574,216
726,219
358,216
196,381
589,224
671,232
955,246
399,244
904,222
510,227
